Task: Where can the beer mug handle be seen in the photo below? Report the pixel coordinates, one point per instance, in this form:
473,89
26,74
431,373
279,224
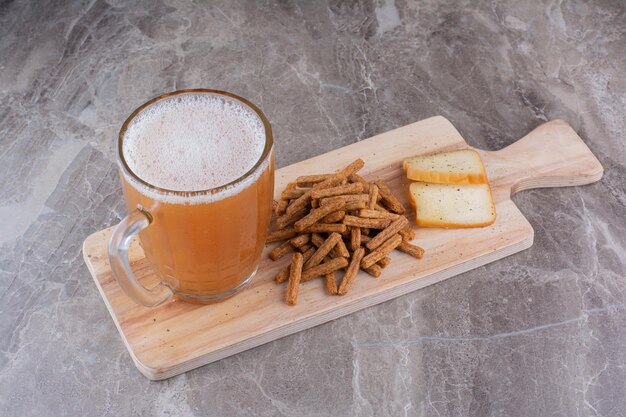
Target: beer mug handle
121,238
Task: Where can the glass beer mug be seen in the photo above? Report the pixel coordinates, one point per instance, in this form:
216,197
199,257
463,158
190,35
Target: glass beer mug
197,172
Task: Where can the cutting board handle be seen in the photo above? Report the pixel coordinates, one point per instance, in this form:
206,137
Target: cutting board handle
552,155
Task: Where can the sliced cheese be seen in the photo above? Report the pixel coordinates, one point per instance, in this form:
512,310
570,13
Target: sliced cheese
456,167
452,205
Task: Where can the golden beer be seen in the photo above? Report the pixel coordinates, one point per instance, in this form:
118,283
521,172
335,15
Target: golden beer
197,171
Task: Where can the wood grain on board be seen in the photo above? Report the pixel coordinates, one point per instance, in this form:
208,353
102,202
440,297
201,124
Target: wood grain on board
176,337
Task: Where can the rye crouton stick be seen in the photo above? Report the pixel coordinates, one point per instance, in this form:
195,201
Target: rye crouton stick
373,270
381,251
327,183
357,178
381,208
408,234
389,199
373,197
323,250
309,180
354,221
326,228
277,235
350,276
283,275
306,255
385,261
300,203
281,207
295,273
290,186
347,198
288,218
340,249
338,190
323,269
393,228
331,283
376,214
292,194
354,205
355,238
281,250
300,240
411,249
333,217
352,168
305,248
317,239
316,214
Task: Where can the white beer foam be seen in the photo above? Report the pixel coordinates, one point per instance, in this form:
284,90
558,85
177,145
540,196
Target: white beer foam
194,142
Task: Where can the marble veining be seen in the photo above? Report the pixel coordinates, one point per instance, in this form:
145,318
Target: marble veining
540,333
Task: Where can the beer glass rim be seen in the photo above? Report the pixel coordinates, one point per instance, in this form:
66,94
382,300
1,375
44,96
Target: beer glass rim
269,142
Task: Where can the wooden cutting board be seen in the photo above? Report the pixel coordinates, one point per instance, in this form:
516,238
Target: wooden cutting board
176,337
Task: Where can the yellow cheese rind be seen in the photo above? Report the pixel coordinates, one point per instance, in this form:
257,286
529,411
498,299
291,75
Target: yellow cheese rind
452,205
455,167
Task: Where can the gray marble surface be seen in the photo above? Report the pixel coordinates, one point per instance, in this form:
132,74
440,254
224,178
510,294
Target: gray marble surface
541,333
